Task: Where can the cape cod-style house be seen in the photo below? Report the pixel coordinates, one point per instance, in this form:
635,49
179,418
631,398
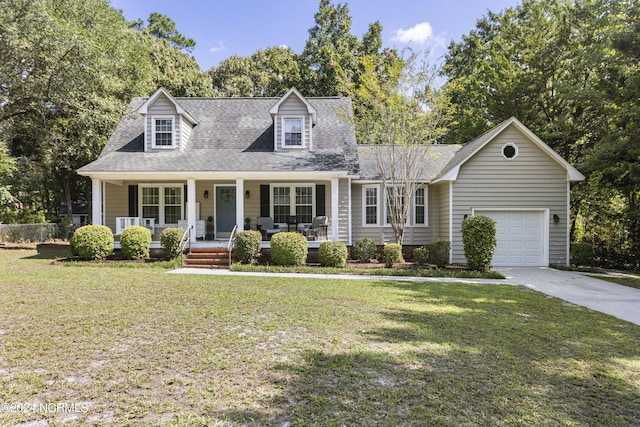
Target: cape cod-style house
281,163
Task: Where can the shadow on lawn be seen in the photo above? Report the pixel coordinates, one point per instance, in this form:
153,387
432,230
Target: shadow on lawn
51,251
467,356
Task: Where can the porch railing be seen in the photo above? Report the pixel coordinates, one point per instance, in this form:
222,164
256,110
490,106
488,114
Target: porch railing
232,238
184,240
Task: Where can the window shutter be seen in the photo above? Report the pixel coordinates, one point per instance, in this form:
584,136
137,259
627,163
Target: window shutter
133,200
185,193
264,201
320,200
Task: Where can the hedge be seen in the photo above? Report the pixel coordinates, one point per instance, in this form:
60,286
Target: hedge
92,242
479,240
364,249
288,248
170,242
248,244
332,254
135,242
392,254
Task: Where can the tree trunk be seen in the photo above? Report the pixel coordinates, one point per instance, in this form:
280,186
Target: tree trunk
67,195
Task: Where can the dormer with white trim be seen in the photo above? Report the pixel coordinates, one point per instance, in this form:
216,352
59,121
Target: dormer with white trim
167,126
293,120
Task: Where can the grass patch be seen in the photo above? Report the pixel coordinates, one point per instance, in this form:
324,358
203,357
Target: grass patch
450,273
632,282
140,347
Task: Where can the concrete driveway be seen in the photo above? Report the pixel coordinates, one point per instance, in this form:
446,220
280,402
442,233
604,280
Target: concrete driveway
620,301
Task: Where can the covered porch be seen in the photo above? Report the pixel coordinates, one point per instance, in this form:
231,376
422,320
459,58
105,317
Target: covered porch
211,206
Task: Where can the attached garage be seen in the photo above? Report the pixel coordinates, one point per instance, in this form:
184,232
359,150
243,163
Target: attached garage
522,237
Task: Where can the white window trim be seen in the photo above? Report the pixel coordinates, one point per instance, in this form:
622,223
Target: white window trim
174,123
512,145
426,207
412,211
282,132
292,197
364,205
161,188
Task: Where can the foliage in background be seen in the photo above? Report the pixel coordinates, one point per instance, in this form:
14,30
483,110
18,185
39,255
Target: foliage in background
135,242
333,254
170,242
248,244
288,249
364,249
479,241
92,242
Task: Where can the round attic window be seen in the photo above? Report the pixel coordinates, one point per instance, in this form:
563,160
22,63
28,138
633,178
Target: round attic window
510,151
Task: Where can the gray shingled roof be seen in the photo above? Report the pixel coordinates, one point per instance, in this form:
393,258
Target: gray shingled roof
436,156
233,134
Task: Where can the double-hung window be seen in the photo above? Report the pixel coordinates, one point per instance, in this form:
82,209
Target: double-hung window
395,204
370,205
162,202
294,199
419,204
163,132
293,132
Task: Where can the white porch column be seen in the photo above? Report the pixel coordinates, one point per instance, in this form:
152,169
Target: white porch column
334,208
240,203
96,201
191,207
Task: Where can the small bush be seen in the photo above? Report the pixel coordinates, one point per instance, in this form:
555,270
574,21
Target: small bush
332,254
421,255
392,254
248,246
135,242
582,254
439,253
288,249
364,249
92,242
479,240
170,242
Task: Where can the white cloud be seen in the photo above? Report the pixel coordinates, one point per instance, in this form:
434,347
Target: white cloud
419,34
219,47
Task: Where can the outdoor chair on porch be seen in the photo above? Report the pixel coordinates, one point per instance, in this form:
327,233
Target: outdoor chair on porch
267,227
318,228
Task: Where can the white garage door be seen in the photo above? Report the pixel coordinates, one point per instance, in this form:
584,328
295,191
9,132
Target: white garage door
520,238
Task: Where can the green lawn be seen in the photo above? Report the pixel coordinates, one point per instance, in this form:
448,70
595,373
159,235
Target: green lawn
136,346
632,282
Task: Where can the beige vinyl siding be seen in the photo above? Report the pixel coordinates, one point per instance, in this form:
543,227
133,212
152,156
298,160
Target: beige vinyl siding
161,107
116,203
532,180
185,133
439,197
292,107
414,235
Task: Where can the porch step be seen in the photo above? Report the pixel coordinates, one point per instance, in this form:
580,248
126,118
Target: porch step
207,258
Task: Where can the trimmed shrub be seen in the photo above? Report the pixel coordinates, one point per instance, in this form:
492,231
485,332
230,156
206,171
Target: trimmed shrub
333,254
92,242
392,254
135,242
421,255
582,253
170,242
248,246
288,249
364,249
479,240
439,253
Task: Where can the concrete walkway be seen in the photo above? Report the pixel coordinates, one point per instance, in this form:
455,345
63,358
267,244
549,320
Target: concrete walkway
619,301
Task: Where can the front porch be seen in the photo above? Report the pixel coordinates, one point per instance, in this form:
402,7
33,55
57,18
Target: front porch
213,207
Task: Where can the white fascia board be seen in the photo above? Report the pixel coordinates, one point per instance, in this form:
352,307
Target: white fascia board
452,175
179,109
222,176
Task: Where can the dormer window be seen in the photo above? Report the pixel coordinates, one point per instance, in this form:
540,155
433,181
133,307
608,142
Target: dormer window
163,132
293,132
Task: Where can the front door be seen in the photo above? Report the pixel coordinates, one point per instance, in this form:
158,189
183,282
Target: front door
225,211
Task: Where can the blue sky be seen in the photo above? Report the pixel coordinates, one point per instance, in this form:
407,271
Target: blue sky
225,28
